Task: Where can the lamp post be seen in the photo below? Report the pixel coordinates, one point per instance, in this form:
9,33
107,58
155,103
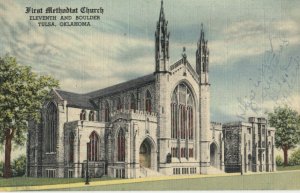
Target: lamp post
87,164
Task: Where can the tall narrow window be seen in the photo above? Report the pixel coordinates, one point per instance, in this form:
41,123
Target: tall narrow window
191,152
51,127
93,154
182,121
132,102
182,113
174,151
183,152
119,104
106,112
92,116
174,115
83,115
148,101
121,145
71,148
190,116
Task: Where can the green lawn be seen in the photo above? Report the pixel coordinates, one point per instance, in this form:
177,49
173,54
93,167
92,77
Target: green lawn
24,181
285,168
265,181
257,181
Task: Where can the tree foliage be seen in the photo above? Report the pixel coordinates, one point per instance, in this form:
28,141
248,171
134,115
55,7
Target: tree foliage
295,157
287,123
18,166
22,94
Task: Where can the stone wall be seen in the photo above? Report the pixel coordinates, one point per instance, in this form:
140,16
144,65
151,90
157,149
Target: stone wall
139,94
232,149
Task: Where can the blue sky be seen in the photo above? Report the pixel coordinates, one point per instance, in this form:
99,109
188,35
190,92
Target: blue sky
254,47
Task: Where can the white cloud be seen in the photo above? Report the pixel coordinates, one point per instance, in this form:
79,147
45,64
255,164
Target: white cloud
292,101
249,38
82,60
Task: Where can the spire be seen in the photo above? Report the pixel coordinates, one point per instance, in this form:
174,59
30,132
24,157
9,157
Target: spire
202,57
162,43
162,14
202,33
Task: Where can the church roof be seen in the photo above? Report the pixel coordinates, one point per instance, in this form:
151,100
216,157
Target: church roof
76,100
123,86
85,100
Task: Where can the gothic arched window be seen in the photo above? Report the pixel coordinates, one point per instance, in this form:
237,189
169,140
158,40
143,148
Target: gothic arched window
92,116
148,101
93,154
119,104
71,148
132,102
121,145
106,112
182,113
51,127
83,115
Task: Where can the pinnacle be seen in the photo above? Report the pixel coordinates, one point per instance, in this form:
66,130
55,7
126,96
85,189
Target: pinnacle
162,15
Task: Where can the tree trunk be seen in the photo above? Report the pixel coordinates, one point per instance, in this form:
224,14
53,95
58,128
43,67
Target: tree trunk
7,161
285,156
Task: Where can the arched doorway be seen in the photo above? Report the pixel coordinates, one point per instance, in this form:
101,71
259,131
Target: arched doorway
145,154
214,155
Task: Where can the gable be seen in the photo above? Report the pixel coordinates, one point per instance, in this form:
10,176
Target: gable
75,100
180,64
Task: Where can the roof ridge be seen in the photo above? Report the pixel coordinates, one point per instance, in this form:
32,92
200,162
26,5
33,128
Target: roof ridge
126,83
71,92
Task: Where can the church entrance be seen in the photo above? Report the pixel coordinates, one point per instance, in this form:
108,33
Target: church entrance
213,155
145,154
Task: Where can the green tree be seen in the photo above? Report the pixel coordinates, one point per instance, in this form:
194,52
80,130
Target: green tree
286,122
22,93
19,166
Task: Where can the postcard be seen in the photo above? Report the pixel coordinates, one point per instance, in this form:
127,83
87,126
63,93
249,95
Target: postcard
149,95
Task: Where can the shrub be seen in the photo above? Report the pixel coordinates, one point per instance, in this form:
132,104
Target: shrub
19,166
295,157
279,160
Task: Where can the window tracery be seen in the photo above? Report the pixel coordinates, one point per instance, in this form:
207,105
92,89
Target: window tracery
182,113
93,147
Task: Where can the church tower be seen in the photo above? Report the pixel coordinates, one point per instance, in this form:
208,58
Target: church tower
161,86
162,43
202,63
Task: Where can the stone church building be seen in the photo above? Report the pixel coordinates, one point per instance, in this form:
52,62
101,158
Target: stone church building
158,124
